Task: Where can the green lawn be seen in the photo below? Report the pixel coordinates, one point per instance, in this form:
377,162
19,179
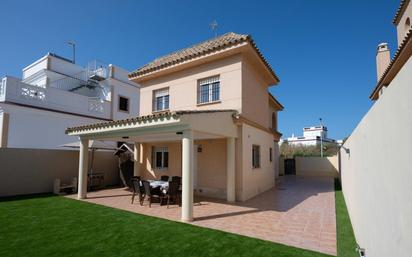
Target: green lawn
56,226
345,236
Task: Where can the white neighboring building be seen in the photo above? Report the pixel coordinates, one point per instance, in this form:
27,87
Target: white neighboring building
55,93
312,136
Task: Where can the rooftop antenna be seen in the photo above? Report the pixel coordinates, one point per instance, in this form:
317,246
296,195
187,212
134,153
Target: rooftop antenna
73,45
213,27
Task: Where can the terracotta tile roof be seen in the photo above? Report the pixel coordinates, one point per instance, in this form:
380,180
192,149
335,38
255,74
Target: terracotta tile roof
206,47
155,116
400,11
400,50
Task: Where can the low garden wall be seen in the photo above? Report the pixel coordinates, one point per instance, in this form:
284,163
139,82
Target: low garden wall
313,166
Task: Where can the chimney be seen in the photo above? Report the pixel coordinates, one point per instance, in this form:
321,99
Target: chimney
383,58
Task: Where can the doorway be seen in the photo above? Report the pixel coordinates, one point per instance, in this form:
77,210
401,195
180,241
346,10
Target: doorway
290,167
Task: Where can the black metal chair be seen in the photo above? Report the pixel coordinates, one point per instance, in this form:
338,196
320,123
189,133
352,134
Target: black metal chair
164,178
173,193
178,179
138,190
151,193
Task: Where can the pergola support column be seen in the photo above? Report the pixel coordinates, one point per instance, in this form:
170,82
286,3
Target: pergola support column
136,159
83,168
187,176
230,170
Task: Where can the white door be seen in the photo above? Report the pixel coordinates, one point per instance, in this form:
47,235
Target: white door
195,167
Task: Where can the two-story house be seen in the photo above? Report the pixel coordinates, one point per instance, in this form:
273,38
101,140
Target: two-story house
55,93
206,115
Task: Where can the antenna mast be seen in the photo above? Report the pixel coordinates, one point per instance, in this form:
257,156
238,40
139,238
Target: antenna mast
213,27
73,45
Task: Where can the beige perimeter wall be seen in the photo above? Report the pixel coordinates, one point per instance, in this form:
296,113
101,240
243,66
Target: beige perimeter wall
317,166
30,171
376,172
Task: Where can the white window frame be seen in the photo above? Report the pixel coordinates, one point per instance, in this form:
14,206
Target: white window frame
213,90
162,150
165,98
256,165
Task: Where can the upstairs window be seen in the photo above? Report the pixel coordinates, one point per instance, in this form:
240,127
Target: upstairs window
160,157
123,104
161,100
255,156
208,90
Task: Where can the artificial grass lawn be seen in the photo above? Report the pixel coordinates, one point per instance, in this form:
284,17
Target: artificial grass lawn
344,232
56,226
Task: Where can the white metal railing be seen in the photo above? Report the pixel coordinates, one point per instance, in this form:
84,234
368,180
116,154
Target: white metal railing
97,69
70,82
96,104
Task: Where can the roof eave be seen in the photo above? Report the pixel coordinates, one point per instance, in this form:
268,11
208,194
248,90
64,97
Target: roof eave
399,59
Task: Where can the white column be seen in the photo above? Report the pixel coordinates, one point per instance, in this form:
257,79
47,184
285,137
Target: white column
83,167
136,159
230,170
187,176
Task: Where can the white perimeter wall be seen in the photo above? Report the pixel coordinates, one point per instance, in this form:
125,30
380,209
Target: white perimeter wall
377,172
40,129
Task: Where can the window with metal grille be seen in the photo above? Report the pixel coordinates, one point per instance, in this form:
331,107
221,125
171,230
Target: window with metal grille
208,90
255,156
123,104
161,100
160,157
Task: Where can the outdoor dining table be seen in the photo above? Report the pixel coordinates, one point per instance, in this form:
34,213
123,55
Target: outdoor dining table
164,185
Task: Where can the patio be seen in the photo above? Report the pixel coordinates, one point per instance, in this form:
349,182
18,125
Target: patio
298,212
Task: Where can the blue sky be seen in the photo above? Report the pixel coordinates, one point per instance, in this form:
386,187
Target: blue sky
323,51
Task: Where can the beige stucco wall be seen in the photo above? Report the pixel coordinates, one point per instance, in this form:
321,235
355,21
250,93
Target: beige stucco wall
317,166
256,181
211,165
255,101
376,172
183,86
29,171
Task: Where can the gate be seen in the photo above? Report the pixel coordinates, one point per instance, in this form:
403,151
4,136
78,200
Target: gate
290,167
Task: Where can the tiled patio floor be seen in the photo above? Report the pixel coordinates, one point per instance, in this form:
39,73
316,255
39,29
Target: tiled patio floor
298,212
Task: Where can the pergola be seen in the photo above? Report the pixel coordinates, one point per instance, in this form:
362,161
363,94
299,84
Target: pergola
184,126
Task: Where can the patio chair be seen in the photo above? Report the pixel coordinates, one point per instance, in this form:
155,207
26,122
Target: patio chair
173,193
164,178
178,179
152,193
138,190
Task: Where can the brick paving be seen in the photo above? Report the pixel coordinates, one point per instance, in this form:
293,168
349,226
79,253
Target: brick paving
298,212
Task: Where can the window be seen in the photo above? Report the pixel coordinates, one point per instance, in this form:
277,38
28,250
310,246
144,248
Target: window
160,157
123,104
270,154
161,100
255,156
208,90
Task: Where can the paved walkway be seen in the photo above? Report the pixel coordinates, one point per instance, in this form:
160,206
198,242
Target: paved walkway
298,212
